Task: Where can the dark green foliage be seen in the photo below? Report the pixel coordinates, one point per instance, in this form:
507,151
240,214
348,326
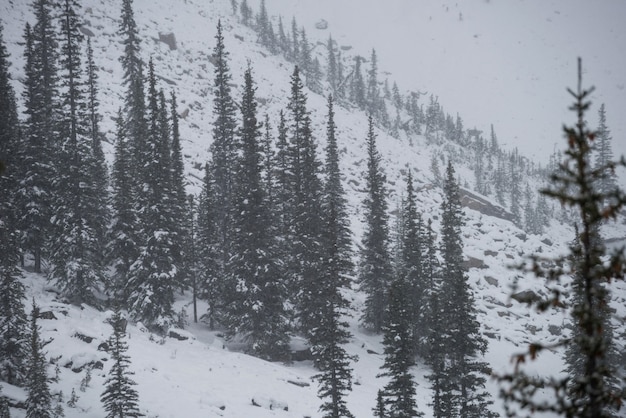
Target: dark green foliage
380,410
76,250
588,389
607,179
357,86
255,291
331,333
39,401
120,398
375,270
398,340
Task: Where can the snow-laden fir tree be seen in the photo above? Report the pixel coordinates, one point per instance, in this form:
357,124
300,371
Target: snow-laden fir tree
255,291
40,147
331,66
4,406
222,147
331,333
357,84
375,271
13,323
39,400
76,246
587,390
460,337
305,213
398,342
607,181
119,398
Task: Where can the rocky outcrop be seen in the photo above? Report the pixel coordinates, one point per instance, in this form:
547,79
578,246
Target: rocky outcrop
482,205
169,39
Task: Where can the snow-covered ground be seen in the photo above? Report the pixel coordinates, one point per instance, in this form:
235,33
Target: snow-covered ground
200,377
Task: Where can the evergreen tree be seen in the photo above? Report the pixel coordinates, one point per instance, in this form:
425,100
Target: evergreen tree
123,239
283,40
379,410
12,317
357,86
263,26
76,251
152,277
305,218
246,13
461,336
39,401
209,256
331,66
587,391
375,261
222,148
255,289
331,334
372,94
399,354
607,181
39,152
120,398
295,42
4,406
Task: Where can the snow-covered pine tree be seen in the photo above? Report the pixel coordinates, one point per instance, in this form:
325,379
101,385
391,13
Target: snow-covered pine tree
461,332
222,148
152,277
588,391
375,271
120,398
13,322
76,246
399,350
255,290
331,66
328,338
372,90
210,286
295,42
607,179
40,147
123,238
39,400
357,85
4,406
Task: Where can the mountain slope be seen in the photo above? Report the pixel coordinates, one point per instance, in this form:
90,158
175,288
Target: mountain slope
198,377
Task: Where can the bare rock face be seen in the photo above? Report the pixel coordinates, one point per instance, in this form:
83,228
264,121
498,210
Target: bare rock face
169,39
526,296
477,203
472,262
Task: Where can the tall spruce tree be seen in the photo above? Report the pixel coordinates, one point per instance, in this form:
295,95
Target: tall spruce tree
39,400
120,398
222,148
357,86
305,207
375,270
39,152
399,354
255,291
586,391
76,250
13,323
607,179
328,338
461,337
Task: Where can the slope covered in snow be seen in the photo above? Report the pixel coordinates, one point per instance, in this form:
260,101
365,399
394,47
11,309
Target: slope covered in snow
201,376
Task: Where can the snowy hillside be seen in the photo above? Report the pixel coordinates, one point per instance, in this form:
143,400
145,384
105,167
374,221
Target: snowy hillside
200,375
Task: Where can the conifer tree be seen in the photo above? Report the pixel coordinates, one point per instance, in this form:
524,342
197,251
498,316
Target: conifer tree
4,406
76,251
283,40
305,218
372,94
152,277
331,334
120,398
222,148
39,401
331,66
399,354
295,42
357,86
461,334
39,152
607,179
13,323
255,291
587,389
375,261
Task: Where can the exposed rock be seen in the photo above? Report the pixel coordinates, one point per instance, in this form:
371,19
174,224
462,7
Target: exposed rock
346,47
299,384
502,313
522,237
104,346
321,24
491,253
554,329
184,113
47,315
169,39
472,262
477,203
167,80
177,335
301,355
547,242
491,335
371,351
491,280
86,31
526,296
239,37
83,337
